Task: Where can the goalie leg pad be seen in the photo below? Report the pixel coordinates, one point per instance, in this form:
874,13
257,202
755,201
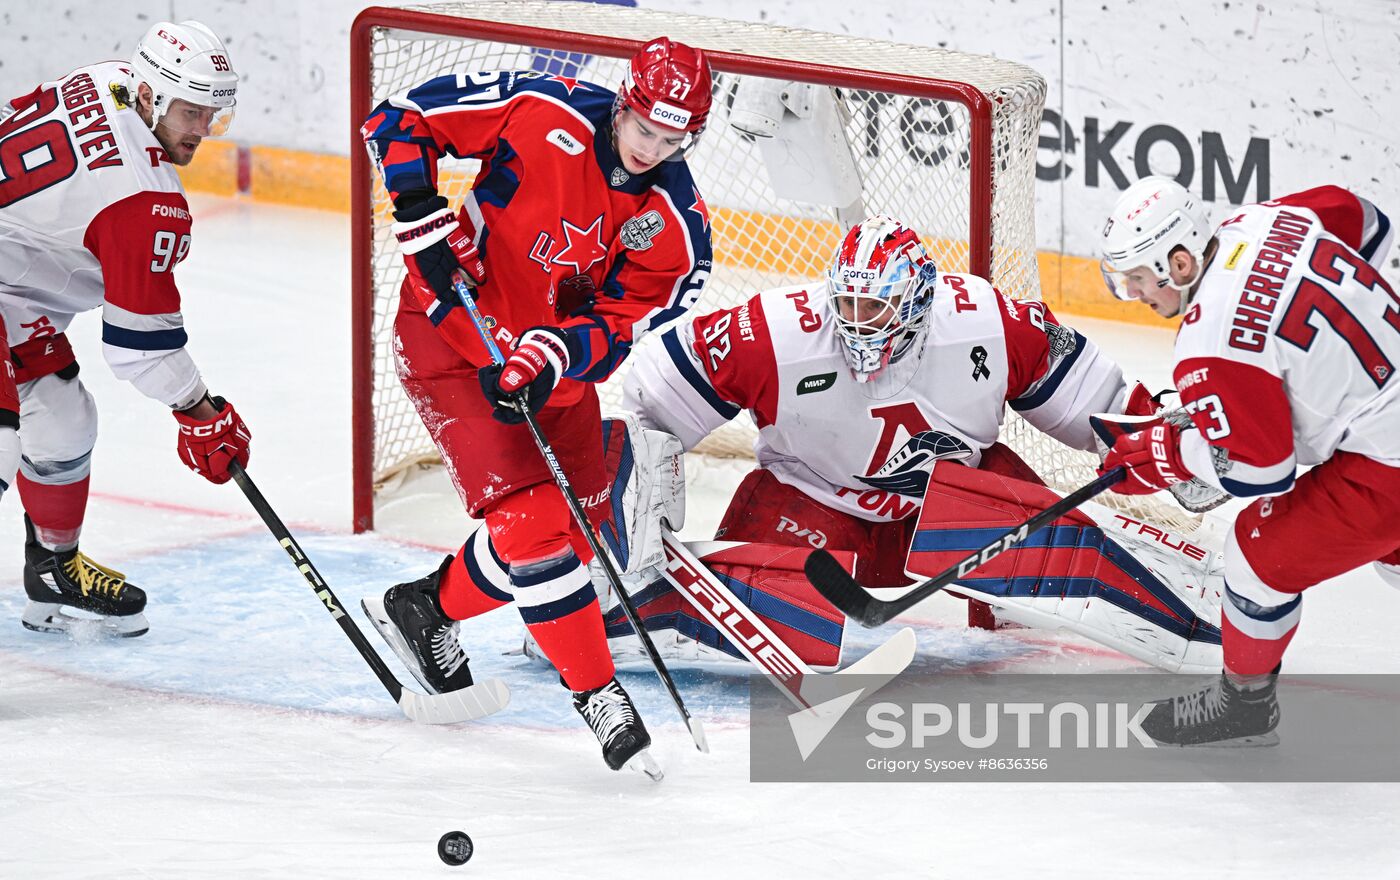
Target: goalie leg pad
1156,606
646,481
767,578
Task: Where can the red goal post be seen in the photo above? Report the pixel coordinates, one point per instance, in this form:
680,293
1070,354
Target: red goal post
943,140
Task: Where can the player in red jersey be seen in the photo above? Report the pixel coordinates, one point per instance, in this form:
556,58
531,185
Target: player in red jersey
1286,357
583,230
93,215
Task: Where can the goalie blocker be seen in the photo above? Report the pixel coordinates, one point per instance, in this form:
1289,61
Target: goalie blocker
1117,581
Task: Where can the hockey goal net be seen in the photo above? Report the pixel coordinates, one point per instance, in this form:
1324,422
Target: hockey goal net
943,140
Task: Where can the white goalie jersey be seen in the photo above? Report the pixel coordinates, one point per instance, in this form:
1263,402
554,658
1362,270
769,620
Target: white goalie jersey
865,448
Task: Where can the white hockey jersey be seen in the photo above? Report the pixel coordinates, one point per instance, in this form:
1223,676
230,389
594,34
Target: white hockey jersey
93,214
849,444
1289,349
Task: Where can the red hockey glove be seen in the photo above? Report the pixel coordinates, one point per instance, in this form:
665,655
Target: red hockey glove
208,446
1142,402
435,246
531,372
1152,457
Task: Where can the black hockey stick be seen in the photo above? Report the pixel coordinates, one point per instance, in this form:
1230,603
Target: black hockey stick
466,704
842,590
561,479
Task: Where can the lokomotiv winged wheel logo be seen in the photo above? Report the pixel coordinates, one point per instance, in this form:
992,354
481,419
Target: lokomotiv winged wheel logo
907,471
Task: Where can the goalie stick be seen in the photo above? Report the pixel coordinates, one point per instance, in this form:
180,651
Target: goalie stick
467,704
762,647
842,590
697,732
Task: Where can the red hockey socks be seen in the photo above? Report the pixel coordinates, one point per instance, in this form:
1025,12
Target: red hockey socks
56,511
476,581
1257,654
560,608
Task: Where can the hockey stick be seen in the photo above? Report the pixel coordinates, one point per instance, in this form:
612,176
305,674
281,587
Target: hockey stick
697,732
762,647
466,704
842,590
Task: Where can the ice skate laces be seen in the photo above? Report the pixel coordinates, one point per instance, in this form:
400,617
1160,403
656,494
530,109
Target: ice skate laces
1199,707
608,712
93,578
447,651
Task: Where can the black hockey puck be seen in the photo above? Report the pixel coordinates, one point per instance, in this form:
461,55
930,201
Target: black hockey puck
455,848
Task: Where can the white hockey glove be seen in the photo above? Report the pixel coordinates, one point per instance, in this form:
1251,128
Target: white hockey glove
651,498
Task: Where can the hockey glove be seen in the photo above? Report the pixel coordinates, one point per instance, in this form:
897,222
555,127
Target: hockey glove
208,446
1152,457
528,375
1141,402
435,247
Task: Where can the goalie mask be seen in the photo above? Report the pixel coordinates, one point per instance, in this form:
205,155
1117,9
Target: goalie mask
192,82
667,84
1152,218
880,287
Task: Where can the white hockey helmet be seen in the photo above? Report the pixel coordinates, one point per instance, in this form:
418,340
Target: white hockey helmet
186,62
1150,219
880,284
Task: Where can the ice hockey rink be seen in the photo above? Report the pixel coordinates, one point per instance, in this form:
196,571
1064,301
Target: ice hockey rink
243,737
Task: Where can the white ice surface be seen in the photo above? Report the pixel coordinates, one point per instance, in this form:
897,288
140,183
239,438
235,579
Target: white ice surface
243,737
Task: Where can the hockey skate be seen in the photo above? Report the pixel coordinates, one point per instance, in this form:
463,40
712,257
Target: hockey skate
1220,714
412,622
609,712
58,579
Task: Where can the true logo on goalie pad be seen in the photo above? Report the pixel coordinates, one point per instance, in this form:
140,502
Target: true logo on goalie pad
767,655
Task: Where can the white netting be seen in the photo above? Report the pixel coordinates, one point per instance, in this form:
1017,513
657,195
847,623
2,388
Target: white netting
914,156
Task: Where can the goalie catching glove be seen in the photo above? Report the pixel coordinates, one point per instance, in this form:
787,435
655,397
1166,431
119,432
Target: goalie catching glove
528,376
208,446
435,247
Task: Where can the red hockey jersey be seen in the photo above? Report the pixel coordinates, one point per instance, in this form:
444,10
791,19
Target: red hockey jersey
568,236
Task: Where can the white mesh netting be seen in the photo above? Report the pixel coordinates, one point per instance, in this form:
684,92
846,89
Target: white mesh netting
914,156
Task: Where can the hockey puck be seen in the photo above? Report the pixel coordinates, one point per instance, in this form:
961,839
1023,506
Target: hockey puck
455,848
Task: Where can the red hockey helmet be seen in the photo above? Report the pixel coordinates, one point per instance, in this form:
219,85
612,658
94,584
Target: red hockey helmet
668,83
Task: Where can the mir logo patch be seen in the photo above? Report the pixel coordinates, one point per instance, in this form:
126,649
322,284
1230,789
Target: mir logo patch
813,384
979,364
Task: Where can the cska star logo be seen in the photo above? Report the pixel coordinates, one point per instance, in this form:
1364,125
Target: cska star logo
570,83
582,247
699,207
